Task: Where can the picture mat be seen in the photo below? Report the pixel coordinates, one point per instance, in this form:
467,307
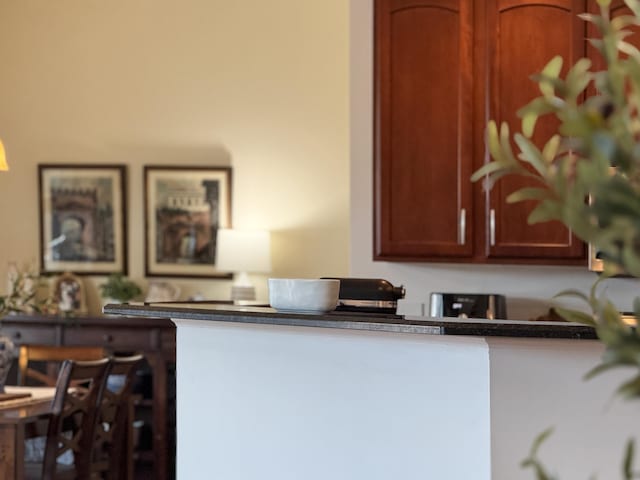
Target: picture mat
155,176
78,177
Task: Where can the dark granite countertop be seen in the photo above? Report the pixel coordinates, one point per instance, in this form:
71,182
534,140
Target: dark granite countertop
208,311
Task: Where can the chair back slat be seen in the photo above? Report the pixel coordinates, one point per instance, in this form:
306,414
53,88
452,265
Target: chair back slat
47,353
74,416
114,431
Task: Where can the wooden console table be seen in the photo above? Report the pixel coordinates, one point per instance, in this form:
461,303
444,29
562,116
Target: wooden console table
154,337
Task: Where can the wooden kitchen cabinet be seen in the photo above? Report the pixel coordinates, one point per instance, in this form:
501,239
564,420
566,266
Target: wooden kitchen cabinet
522,37
442,69
423,129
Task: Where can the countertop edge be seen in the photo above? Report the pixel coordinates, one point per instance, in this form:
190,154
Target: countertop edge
360,321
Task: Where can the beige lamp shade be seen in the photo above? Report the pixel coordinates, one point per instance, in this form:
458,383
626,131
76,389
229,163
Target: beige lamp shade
243,252
4,166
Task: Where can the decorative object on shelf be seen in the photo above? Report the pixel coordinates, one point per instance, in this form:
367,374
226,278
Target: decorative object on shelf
68,293
184,208
162,292
119,289
22,285
594,134
83,219
8,352
4,166
243,252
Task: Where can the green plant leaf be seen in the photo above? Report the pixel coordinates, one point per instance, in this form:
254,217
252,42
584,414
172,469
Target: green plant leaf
575,316
543,212
634,5
572,292
597,370
528,193
627,464
505,145
629,49
530,154
623,21
578,78
493,139
488,169
532,111
630,388
551,148
551,71
532,461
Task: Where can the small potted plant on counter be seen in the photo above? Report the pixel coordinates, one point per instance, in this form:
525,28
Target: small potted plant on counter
119,289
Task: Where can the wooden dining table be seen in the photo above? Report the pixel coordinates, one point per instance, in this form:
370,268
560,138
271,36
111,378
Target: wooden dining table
14,417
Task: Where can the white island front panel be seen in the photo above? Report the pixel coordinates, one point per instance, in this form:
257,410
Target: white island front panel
292,403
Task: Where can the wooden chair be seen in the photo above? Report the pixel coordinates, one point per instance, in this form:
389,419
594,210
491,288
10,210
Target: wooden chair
113,452
53,355
72,425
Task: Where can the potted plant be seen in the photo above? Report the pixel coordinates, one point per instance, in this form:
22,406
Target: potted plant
119,289
595,155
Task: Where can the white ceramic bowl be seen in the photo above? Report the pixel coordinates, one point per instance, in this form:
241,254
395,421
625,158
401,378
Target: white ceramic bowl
303,295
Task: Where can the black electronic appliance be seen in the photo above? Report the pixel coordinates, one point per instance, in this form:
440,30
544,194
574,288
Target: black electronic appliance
468,305
368,295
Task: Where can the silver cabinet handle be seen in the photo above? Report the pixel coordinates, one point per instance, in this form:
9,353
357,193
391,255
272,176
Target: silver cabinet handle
492,227
462,224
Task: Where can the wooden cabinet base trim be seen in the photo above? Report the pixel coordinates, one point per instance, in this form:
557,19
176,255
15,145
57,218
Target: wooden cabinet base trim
581,262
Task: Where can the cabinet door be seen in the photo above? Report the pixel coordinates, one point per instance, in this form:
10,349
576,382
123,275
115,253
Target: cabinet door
423,103
522,37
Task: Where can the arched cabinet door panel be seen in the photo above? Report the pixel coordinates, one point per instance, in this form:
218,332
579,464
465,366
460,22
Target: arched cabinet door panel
522,37
423,107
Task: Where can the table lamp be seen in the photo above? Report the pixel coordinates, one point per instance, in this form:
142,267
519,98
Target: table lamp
4,166
243,252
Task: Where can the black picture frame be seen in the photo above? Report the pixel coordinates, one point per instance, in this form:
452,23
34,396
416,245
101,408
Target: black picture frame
183,208
83,218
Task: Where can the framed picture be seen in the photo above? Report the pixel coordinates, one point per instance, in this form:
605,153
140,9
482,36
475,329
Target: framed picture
82,219
68,294
184,208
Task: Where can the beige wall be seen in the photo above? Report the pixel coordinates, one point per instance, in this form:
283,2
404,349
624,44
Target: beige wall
259,86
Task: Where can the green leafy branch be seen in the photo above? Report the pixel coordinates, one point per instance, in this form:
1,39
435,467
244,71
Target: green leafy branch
541,473
587,176
532,460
